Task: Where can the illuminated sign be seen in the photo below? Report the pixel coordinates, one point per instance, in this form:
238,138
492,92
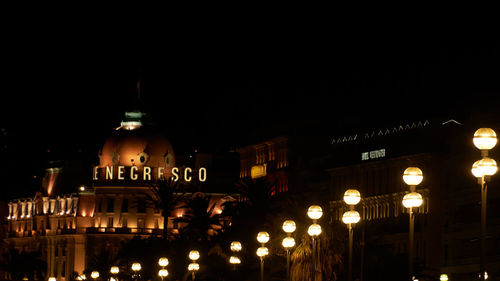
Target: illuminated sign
258,171
379,153
147,173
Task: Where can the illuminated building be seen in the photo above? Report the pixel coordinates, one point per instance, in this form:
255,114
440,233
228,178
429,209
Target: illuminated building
68,228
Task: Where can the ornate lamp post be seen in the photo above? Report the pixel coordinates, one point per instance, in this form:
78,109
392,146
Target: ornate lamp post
412,176
136,268
263,238
235,248
94,275
351,198
193,266
163,272
114,270
484,139
288,242
314,212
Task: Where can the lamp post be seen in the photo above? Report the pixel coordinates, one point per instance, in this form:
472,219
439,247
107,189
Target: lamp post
194,266
351,198
263,238
412,176
288,242
163,272
484,139
114,271
136,268
314,212
235,248
94,275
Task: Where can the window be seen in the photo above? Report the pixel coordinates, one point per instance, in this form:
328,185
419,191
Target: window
110,206
110,221
141,206
124,222
125,205
140,223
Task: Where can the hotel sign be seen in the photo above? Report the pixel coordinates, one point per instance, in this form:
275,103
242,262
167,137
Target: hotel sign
146,173
374,154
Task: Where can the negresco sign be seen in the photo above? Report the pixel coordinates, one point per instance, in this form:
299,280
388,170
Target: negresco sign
146,173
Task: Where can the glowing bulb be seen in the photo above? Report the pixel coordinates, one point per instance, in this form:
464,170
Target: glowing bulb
487,166
163,261
315,212
236,246
136,266
413,176
289,226
262,251
114,270
485,138
163,273
351,217
352,197
412,199
288,242
194,255
314,230
263,237
234,260
193,266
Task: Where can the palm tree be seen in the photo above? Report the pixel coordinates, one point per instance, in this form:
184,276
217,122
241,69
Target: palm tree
200,218
330,257
167,196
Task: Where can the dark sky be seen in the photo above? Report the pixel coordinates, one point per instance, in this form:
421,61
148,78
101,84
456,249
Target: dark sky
215,91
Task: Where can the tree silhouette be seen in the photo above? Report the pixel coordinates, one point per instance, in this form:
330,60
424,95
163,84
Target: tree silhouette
200,218
167,196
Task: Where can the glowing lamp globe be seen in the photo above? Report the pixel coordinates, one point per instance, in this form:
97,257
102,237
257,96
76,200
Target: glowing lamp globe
194,255
351,217
234,260
487,166
485,138
193,266
263,237
288,242
262,251
413,176
163,261
478,173
54,279
352,197
163,273
314,230
81,277
443,277
412,199
114,270
136,266
314,212
94,274
236,246
289,226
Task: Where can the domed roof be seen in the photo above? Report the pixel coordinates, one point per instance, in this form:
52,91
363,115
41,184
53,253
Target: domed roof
137,145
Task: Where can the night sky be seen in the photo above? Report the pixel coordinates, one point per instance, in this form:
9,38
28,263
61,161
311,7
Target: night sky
61,99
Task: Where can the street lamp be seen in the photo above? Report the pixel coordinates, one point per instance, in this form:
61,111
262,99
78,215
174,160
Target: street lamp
114,271
263,238
235,248
52,279
443,277
314,212
136,267
288,243
351,198
162,273
484,139
193,266
163,262
412,176
94,275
